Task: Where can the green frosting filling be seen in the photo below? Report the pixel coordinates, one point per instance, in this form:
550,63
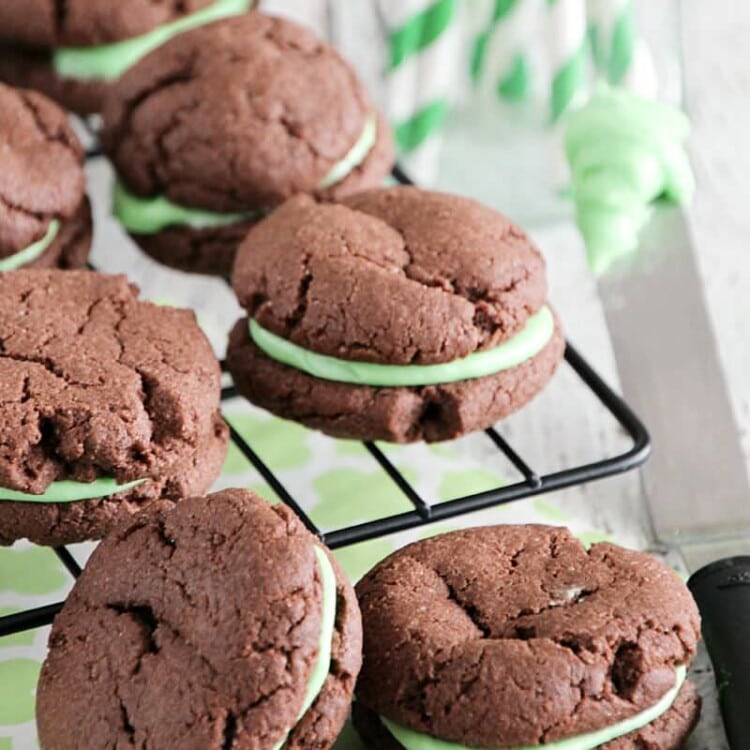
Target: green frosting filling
68,491
624,152
529,342
32,252
357,154
328,622
109,61
152,215
412,740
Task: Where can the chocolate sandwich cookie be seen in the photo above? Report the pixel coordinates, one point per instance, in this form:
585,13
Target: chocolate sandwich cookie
519,637
220,624
399,315
45,217
73,51
224,123
107,402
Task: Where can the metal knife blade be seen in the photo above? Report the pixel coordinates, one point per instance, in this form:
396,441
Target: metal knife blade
669,369
696,482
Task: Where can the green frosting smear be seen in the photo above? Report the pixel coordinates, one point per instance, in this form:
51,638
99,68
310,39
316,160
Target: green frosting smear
109,61
528,343
32,252
412,740
357,154
152,215
624,152
328,622
68,491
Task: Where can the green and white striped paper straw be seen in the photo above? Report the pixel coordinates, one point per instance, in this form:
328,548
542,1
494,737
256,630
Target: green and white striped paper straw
501,52
621,56
423,42
567,45
612,30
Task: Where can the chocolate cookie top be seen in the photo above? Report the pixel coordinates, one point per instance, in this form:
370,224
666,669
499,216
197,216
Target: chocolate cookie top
393,275
95,382
41,177
240,114
52,23
517,635
199,627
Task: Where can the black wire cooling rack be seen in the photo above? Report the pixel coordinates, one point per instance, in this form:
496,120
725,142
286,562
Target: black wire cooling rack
423,512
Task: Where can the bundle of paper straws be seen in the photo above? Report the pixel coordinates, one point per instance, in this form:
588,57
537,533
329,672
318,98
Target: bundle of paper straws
547,52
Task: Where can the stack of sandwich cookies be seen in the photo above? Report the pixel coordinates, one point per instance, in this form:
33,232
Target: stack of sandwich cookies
45,217
107,403
397,315
222,124
518,637
74,51
218,624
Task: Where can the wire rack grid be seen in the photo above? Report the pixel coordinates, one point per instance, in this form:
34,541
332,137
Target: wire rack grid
422,512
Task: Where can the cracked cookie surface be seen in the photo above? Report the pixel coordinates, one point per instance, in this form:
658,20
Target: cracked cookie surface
29,31
95,382
41,180
197,627
396,276
237,116
517,635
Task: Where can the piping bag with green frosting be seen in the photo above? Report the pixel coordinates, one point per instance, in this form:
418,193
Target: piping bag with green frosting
624,152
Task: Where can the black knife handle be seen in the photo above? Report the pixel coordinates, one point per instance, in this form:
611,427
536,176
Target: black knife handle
722,591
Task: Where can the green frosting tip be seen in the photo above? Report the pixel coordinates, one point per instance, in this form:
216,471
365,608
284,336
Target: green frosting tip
625,153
